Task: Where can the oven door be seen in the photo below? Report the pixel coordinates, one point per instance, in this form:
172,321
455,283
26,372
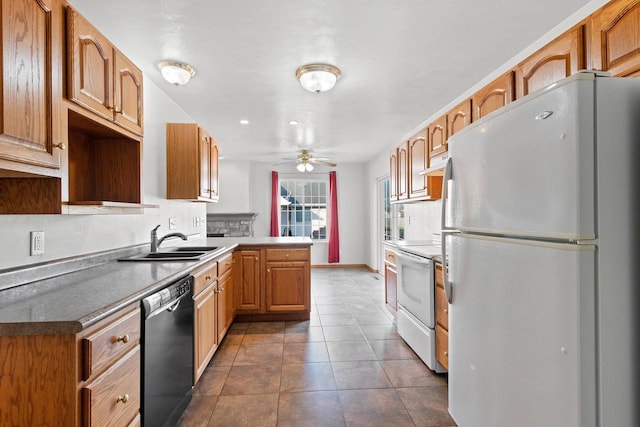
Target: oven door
416,291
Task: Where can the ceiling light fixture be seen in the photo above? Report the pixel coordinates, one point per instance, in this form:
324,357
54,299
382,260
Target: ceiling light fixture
318,77
176,73
304,167
244,122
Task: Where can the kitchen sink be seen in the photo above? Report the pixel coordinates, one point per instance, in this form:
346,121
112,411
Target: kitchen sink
166,256
195,248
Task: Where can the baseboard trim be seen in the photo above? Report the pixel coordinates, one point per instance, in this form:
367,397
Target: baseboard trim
356,266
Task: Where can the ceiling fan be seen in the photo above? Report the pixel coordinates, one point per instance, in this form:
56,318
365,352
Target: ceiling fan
306,160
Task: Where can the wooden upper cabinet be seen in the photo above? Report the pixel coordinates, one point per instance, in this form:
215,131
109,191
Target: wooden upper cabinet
90,66
192,163
393,175
496,94
561,58
417,163
615,38
403,171
128,94
214,182
30,86
458,118
205,163
99,77
438,137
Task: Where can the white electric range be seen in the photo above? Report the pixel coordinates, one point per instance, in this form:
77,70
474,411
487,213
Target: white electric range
416,298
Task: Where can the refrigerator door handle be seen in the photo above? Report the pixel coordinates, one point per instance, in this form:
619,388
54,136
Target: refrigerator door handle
443,229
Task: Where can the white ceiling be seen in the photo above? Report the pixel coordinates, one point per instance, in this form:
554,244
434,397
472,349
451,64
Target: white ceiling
401,61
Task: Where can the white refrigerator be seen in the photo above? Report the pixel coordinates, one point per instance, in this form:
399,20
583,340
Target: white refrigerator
540,229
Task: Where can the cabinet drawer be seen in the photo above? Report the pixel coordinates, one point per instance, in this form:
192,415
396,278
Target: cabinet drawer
390,256
442,346
204,277
113,399
442,308
103,347
224,265
287,254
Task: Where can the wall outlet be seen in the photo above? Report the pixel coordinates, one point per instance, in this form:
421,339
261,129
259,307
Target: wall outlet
172,223
37,243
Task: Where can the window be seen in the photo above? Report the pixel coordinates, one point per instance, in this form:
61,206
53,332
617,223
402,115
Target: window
303,208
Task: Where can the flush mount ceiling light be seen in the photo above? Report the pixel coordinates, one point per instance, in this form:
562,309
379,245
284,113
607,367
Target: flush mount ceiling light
176,73
318,77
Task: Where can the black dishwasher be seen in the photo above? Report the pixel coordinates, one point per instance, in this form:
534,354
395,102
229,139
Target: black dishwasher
167,353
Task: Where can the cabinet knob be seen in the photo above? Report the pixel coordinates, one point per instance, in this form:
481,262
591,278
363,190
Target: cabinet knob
446,311
207,278
60,145
123,399
227,264
446,354
268,270
221,290
123,338
256,258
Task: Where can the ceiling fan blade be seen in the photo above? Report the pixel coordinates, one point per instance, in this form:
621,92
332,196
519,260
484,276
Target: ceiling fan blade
322,159
285,162
322,162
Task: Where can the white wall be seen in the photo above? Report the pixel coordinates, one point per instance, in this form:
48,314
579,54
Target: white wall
69,235
234,187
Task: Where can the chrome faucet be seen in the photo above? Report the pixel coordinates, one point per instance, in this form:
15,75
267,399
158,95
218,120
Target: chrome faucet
155,242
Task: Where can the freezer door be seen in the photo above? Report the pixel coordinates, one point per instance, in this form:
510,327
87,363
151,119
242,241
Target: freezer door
528,170
521,333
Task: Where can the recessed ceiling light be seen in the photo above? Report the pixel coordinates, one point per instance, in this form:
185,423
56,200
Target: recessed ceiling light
244,122
293,122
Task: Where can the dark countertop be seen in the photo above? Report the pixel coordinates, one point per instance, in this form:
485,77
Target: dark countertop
68,303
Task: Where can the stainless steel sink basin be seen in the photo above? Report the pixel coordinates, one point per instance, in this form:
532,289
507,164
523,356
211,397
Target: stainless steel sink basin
195,248
166,256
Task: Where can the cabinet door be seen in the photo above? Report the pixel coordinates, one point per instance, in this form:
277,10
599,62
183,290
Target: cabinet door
559,59
391,286
213,169
417,163
438,137
225,304
287,287
204,162
393,175
30,86
495,95
90,66
205,333
403,171
247,286
128,94
458,118
615,39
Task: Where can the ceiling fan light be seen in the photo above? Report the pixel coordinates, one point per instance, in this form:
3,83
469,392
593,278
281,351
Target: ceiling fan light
300,167
318,77
308,167
176,73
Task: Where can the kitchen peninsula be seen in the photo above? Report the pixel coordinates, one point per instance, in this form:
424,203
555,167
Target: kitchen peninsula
76,335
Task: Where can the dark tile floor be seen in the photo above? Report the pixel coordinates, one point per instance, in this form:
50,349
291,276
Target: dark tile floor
346,366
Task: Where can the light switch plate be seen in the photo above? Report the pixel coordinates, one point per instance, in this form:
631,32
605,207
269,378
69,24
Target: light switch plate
172,223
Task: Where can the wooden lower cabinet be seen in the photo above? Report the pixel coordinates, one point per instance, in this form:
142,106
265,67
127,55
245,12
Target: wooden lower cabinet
390,281
287,286
46,380
225,305
273,283
247,279
205,333
442,320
